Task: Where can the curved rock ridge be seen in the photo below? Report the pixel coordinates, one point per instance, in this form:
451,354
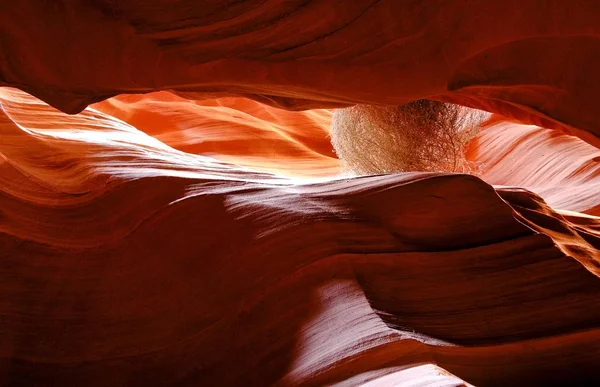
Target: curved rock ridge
237,130
562,169
128,262
528,61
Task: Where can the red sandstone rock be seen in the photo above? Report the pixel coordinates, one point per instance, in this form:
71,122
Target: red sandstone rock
237,130
531,61
562,169
128,257
127,262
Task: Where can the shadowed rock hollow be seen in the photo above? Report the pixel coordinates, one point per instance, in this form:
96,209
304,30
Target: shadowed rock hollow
191,226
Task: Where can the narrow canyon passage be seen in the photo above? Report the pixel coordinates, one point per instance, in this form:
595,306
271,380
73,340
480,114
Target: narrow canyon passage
269,193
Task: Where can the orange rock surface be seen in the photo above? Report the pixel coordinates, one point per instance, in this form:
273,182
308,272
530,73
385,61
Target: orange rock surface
237,130
562,169
201,235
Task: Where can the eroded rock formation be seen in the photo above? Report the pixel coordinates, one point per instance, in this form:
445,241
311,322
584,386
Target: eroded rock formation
195,237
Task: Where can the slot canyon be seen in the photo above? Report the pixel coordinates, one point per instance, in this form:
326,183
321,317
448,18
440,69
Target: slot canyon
299,193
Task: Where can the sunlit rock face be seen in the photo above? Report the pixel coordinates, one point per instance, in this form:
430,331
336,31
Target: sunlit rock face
421,136
202,234
237,130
